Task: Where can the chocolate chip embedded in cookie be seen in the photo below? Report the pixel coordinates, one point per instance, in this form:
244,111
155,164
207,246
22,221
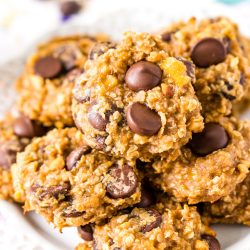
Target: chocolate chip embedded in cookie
82,186
86,232
45,86
217,49
210,166
138,99
165,225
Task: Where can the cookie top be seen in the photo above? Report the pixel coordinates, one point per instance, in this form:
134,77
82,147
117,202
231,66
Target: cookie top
210,166
165,225
15,134
135,101
216,47
62,179
46,84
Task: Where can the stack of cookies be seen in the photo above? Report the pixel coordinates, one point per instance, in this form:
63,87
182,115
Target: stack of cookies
136,143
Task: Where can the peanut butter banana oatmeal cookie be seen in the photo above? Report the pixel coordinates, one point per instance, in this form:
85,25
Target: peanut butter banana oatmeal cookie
234,208
135,101
46,84
165,225
211,164
15,134
217,49
62,179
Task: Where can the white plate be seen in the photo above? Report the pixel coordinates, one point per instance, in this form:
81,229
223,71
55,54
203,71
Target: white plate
31,232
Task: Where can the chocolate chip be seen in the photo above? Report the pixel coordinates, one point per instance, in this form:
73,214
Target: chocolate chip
143,76
207,52
213,243
123,181
153,224
7,157
95,119
142,120
86,232
227,44
212,138
100,48
229,86
72,213
48,67
81,97
242,79
54,191
76,155
100,140
189,67
228,96
24,127
70,7
147,198
166,37
73,74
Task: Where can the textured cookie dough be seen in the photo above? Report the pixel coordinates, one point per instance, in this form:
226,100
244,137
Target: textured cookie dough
166,225
69,184
234,208
135,101
15,134
216,48
210,166
45,87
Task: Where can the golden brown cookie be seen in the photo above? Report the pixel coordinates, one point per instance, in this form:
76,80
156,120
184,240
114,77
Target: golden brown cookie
46,84
69,184
135,101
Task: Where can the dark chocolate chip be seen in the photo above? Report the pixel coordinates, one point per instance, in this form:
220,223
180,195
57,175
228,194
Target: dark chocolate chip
100,48
166,37
229,86
70,7
24,127
81,97
86,232
147,198
155,223
48,67
212,138
7,157
123,181
76,155
242,79
207,52
227,44
55,191
100,140
189,67
213,243
143,76
142,120
95,119
72,213
228,96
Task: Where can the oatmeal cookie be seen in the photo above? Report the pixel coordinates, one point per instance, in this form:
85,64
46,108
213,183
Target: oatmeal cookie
135,101
15,134
211,164
68,183
46,84
231,209
216,48
165,225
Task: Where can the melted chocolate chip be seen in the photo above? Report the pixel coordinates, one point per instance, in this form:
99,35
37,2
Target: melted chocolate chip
54,191
155,223
213,243
7,156
207,52
143,76
100,140
212,138
122,183
86,232
24,127
72,213
100,48
142,120
48,67
147,198
166,37
189,67
76,155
